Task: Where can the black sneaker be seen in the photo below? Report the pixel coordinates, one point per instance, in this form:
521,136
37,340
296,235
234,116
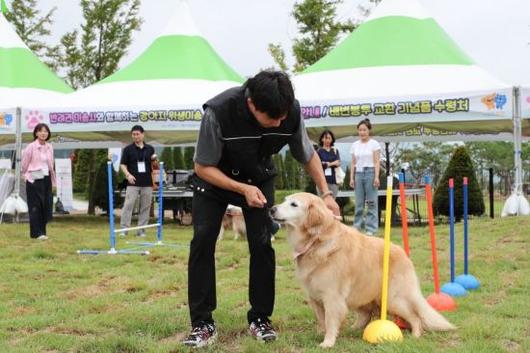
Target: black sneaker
262,330
200,336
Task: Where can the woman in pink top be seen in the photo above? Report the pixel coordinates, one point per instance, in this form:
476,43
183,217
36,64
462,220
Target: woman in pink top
37,167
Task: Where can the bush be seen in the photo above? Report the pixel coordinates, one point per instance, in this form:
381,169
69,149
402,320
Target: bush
460,166
101,198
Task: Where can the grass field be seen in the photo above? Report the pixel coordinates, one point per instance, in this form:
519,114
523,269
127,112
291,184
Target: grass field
53,300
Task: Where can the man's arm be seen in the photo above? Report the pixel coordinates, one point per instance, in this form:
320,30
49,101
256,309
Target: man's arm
314,169
216,177
130,178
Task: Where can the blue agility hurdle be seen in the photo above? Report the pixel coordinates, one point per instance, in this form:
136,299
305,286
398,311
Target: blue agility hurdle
112,231
159,224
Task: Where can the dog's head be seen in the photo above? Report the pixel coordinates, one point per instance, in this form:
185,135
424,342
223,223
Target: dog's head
303,211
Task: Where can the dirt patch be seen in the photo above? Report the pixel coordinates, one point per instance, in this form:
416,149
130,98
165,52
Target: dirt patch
70,331
104,286
511,346
175,339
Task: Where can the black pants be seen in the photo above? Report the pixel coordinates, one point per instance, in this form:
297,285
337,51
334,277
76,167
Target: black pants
209,206
39,194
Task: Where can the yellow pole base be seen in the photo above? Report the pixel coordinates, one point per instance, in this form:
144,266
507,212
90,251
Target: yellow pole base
379,331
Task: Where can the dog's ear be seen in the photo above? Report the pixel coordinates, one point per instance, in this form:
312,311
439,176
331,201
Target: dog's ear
315,216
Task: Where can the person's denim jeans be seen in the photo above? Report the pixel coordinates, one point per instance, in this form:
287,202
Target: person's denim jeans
365,197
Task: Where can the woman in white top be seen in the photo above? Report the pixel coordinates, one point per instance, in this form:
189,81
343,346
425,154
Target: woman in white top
364,179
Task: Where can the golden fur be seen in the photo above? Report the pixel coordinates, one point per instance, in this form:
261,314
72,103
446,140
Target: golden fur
341,270
234,220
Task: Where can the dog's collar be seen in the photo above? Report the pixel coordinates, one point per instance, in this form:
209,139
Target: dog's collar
298,254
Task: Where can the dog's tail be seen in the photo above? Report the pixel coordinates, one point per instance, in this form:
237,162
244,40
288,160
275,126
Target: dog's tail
431,320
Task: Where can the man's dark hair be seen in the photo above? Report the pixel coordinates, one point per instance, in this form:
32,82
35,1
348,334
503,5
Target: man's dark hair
38,128
271,92
324,133
137,128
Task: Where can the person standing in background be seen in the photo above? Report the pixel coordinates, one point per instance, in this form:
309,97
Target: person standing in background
37,168
136,164
364,179
330,158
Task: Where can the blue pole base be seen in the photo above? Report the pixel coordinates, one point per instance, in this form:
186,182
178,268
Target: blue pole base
468,281
112,252
454,289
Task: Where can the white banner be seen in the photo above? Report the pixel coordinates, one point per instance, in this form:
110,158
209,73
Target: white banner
63,171
5,163
114,119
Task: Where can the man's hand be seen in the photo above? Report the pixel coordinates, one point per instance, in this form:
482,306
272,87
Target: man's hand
332,205
376,182
254,196
131,179
352,183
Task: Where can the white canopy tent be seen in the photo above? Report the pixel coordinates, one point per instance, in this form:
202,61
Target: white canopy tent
25,83
403,72
163,90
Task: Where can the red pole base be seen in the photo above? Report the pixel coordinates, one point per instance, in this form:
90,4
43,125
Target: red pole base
442,302
402,324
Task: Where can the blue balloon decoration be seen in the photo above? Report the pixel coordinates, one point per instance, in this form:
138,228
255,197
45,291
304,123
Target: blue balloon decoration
8,118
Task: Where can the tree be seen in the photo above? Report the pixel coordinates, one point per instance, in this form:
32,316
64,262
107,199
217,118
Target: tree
188,157
167,157
428,158
319,32
460,166
32,28
178,158
496,155
81,170
278,55
279,180
101,195
93,52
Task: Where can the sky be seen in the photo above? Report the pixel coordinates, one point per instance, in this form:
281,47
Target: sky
496,34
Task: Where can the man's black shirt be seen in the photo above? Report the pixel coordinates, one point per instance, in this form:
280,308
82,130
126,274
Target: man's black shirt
130,157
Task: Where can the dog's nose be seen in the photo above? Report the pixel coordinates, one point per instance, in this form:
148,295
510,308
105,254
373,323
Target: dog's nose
272,210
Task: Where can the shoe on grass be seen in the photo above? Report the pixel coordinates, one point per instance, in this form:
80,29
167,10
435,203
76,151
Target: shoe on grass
262,330
202,335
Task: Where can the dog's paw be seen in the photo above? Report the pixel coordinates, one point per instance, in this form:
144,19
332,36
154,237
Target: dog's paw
327,344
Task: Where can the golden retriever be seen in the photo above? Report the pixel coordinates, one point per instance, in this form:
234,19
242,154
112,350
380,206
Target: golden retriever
341,270
233,219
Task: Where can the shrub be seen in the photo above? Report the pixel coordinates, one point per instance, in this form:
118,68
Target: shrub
460,166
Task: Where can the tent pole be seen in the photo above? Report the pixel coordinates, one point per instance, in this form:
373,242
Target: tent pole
387,152
517,204
517,131
18,150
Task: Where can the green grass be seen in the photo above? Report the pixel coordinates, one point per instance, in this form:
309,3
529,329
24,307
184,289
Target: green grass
53,300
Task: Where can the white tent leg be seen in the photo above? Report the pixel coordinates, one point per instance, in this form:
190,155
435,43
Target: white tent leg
14,204
517,204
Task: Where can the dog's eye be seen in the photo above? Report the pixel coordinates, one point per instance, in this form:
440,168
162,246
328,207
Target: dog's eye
294,204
